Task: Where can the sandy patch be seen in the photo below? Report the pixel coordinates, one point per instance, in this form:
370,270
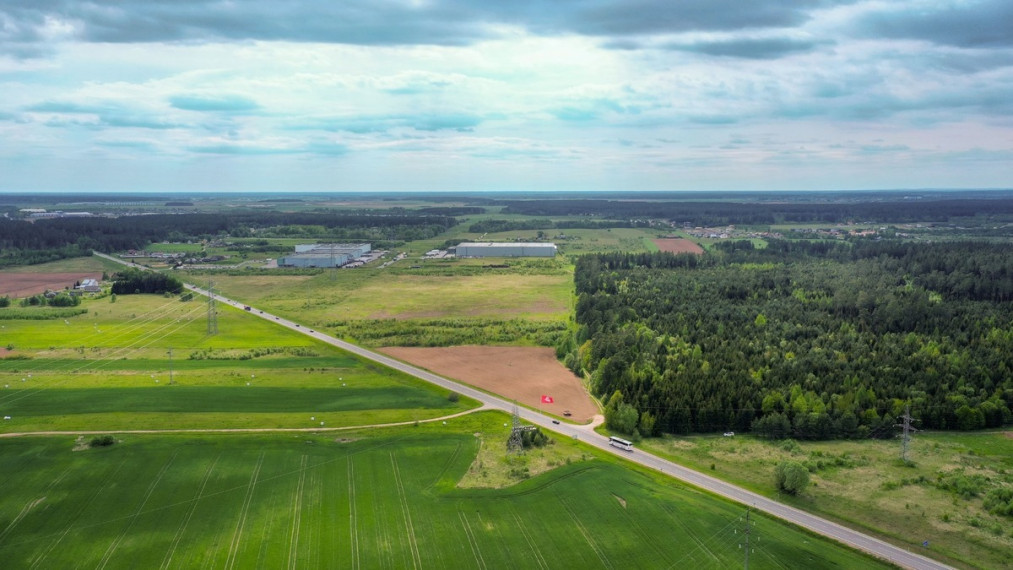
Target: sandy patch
27,284
678,245
519,373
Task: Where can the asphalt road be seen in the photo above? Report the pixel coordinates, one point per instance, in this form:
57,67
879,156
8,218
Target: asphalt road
855,539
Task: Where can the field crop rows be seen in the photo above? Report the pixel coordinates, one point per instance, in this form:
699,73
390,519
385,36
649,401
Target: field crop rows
109,369
259,501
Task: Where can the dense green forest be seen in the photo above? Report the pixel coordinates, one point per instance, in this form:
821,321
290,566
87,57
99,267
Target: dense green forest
806,339
715,213
492,226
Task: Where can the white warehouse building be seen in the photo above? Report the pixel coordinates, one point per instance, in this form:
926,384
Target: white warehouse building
352,249
314,260
324,254
506,249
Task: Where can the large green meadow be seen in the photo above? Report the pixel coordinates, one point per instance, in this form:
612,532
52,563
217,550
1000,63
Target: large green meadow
111,368
469,303
384,499
937,496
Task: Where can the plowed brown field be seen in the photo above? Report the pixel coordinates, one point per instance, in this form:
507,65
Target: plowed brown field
678,245
27,284
517,373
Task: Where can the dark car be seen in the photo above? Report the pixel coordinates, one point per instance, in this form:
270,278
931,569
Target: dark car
555,422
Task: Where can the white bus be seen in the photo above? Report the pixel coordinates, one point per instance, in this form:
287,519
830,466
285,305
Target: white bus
620,443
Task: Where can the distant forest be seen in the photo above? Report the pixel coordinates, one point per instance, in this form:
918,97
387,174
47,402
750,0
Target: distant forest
24,243
717,213
812,340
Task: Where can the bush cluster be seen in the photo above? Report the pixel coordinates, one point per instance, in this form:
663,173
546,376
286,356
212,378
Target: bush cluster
102,441
791,477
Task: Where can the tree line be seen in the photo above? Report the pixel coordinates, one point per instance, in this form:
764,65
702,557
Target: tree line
134,281
715,213
26,243
494,226
810,340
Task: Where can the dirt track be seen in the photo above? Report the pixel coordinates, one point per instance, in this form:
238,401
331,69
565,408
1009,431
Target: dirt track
237,430
517,373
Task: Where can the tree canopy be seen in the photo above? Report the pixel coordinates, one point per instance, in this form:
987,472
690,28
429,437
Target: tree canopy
811,340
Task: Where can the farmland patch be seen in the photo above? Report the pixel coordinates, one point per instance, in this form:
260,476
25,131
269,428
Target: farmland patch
524,374
192,501
678,245
18,284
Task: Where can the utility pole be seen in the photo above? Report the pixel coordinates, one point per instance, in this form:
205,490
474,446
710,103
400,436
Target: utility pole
170,366
906,437
746,562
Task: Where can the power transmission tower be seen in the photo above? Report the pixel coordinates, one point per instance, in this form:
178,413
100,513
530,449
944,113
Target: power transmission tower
516,441
212,310
334,265
905,439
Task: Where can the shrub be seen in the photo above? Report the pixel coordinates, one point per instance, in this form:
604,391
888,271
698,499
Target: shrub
966,486
1000,501
453,397
791,477
533,438
102,441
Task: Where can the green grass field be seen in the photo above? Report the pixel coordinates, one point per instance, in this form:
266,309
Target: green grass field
865,485
361,501
345,301
109,369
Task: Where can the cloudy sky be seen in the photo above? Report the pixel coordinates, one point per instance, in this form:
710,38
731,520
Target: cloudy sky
358,95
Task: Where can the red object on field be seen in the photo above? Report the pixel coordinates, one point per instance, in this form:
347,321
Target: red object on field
547,400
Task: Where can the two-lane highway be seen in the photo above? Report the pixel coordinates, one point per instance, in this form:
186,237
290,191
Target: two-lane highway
855,539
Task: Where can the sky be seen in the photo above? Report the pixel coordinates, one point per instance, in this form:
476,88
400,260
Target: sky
480,95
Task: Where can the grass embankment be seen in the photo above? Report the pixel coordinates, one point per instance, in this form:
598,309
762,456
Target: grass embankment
386,499
936,498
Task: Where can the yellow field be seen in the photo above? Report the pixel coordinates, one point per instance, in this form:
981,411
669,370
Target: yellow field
378,295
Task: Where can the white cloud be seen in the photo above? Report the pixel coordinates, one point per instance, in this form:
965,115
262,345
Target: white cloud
572,97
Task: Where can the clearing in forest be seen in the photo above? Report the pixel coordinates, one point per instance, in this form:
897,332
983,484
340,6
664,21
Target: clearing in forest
520,373
678,245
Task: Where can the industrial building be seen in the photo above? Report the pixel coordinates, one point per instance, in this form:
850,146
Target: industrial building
324,254
352,249
506,249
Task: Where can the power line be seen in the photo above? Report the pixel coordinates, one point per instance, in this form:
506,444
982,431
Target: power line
212,310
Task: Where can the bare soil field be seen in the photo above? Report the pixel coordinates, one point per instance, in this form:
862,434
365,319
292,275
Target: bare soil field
678,245
26,284
519,373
